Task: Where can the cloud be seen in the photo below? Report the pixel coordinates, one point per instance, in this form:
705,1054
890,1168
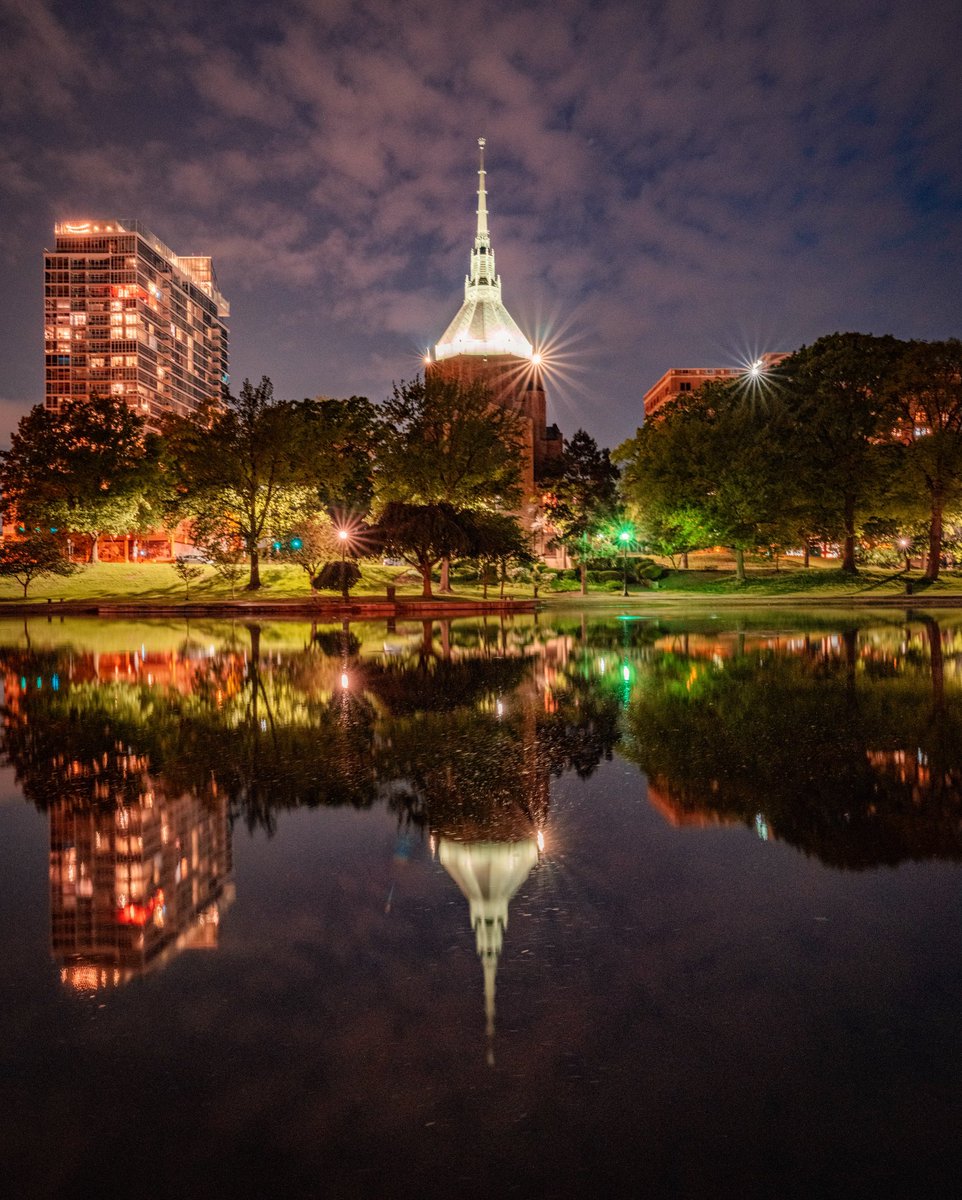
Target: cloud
664,170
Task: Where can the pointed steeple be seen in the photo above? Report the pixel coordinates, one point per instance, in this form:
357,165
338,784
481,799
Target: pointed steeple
482,325
482,238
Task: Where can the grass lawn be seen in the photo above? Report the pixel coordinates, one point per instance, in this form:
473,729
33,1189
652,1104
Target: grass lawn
710,576
159,583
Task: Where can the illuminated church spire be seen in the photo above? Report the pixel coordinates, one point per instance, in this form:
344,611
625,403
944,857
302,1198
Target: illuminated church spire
482,325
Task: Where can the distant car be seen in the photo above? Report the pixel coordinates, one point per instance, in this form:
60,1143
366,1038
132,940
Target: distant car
392,562
195,556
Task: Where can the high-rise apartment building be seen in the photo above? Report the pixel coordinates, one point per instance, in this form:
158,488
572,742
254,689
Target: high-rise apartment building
126,316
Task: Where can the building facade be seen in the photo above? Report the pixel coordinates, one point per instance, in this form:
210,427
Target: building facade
126,316
483,344
678,380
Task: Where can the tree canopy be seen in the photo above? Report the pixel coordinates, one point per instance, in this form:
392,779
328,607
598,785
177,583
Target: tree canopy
89,468
581,494
238,469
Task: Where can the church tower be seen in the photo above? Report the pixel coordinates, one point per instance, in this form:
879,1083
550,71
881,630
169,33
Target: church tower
484,344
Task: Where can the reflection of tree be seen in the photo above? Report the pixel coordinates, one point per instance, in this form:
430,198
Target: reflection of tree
467,727
852,757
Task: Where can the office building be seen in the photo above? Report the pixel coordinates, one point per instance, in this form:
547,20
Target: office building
679,380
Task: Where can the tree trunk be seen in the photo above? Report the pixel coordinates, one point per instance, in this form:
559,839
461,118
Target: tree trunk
848,552
426,593
94,551
807,555
255,580
582,567
935,540
444,584
684,561
740,564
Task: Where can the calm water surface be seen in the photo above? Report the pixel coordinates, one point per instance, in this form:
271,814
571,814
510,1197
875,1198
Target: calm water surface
656,906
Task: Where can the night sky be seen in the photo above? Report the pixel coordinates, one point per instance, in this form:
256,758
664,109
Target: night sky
670,184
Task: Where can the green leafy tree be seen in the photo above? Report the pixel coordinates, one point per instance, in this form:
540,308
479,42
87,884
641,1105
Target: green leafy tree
187,571
238,470
313,543
447,444
227,559
422,535
495,540
582,491
928,385
88,468
33,557
846,414
339,442
711,467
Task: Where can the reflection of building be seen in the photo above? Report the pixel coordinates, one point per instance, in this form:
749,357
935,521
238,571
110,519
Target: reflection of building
484,344
489,874
679,380
133,884
126,316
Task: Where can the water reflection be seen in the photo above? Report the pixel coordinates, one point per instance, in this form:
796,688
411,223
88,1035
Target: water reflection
843,742
143,757
146,744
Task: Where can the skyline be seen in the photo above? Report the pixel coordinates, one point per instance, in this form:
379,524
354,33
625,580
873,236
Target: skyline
669,184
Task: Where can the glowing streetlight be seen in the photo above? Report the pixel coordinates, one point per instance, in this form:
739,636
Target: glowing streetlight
344,537
625,536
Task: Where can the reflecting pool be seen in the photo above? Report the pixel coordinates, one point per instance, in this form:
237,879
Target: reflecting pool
655,905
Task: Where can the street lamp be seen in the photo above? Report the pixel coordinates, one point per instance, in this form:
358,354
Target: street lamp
624,537
344,537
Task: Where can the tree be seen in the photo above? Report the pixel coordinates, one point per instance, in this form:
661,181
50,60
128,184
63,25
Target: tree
33,557
495,538
187,570
340,575
447,444
841,390
582,487
339,442
88,468
712,467
928,385
422,534
238,469
314,543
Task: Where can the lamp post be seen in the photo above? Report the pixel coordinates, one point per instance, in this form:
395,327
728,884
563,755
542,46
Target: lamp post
624,537
343,538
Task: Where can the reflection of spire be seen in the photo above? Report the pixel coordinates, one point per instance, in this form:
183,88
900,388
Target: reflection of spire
489,874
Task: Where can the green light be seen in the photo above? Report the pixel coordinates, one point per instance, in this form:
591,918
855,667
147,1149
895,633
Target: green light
296,543
625,536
